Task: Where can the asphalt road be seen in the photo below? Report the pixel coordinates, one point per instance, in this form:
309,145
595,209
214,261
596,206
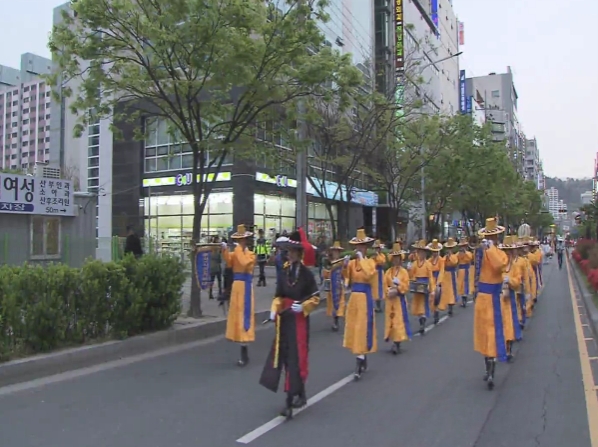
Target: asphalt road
430,395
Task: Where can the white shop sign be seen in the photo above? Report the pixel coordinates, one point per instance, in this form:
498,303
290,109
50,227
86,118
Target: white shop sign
22,194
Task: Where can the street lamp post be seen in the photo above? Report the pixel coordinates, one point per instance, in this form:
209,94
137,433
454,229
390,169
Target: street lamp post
422,170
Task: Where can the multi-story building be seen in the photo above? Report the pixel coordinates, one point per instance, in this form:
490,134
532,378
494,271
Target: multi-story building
144,184
25,111
557,207
498,94
587,197
533,163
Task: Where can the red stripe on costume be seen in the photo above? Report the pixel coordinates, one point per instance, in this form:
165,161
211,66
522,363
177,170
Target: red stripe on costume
301,326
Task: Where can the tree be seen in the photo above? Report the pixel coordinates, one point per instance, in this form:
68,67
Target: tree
211,69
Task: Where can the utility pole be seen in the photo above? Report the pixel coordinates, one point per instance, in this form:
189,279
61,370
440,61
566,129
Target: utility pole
301,161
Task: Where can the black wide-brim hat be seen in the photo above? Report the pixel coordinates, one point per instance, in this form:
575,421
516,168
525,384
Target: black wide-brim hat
293,241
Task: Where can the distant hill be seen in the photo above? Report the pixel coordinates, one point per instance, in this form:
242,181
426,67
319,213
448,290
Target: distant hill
570,189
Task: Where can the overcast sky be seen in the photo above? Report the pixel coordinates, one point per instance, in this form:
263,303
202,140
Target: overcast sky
551,46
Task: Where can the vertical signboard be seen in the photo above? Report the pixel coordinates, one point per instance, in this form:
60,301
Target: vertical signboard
461,34
462,99
469,105
400,56
434,15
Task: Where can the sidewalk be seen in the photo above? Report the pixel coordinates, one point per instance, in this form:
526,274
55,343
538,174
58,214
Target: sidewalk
210,308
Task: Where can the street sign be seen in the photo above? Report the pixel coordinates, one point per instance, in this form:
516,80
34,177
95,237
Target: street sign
23,194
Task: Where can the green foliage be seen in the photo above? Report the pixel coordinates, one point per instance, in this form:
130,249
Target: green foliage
44,308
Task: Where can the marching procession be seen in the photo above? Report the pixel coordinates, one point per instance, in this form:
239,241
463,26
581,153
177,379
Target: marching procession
501,274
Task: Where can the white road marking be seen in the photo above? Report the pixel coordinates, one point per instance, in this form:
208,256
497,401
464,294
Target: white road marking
271,425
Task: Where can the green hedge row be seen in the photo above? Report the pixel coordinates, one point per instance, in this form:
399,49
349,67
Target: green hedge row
47,307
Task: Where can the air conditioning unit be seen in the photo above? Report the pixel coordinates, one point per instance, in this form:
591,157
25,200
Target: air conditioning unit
46,171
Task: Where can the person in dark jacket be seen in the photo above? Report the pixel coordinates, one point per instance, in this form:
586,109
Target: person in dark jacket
133,243
216,268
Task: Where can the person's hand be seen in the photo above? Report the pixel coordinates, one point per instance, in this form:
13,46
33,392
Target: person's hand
272,316
347,259
297,307
223,245
396,281
409,265
359,255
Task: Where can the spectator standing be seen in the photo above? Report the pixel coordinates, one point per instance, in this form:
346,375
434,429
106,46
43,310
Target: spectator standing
216,268
262,252
133,243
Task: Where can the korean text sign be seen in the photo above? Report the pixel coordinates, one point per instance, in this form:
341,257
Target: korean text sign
22,194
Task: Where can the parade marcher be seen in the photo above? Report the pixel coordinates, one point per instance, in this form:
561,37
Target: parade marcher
533,286
380,260
449,293
437,263
474,246
535,259
262,251
396,284
421,272
464,259
240,325
488,336
360,326
333,277
297,295
512,279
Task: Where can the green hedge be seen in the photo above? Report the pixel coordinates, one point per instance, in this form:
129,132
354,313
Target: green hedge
47,307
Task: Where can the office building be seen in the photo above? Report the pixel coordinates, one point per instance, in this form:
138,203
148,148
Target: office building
498,94
25,111
557,207
148,183
533,163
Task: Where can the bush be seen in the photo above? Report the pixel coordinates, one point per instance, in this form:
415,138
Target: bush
584,246
43,308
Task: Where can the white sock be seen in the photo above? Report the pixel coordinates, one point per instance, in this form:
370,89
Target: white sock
361,357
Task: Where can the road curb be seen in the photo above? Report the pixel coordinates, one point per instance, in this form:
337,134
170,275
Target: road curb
35,367
591,309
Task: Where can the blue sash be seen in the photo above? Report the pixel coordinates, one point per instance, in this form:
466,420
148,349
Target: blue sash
380,273
335,292
425,280
513,297
405,315
366,289
466,268
247,278
537,274
499,335
453,272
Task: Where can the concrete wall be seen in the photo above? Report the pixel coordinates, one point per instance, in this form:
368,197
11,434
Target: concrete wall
77,236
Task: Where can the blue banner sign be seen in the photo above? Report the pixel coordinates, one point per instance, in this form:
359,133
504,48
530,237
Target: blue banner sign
462,99
203,258
434,15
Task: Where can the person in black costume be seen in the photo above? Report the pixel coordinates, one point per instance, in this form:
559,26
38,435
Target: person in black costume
297,295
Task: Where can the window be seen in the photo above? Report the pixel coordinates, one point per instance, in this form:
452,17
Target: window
495,93
45,237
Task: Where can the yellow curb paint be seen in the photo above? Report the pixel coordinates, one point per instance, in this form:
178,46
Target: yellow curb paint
586,368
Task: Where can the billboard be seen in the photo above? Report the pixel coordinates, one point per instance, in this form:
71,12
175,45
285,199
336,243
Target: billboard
462,99
400,51
23,194
461,34
434,15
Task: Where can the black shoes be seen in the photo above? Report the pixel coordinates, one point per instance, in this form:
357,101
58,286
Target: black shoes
244,359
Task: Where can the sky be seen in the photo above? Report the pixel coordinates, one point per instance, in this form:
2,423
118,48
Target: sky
550,45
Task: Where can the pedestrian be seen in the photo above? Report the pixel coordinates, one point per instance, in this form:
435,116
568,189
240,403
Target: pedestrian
437,264
421,272
216,268
465,259
360,326
488,330
240,324
381,261
396,285
133,243
334,281
297,295
262,252
533,279
512,279
449,281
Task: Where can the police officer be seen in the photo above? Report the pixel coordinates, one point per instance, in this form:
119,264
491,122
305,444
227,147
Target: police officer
261,251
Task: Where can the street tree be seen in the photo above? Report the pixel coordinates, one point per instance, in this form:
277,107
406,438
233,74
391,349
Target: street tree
210,69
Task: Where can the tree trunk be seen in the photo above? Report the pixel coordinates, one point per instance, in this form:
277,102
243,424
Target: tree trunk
328,205
195,298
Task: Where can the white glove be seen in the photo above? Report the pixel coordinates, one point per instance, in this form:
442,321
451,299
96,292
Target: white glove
297,307
489,243
224,246
409,265
396,281
347,259
506,279
272,316
359,255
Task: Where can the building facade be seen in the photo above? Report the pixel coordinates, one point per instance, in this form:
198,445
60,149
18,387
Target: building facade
587,197
498,94
557,207
533,163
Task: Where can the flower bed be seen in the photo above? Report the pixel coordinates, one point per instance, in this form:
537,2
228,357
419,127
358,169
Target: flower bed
586,256
47,307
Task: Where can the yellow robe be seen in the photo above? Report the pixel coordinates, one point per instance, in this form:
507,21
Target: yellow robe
422,272
525,288
438,272
395,312
341,300
485,336
380,260
449,282
240,325
536,261
514,273
360,324
533,289
464,281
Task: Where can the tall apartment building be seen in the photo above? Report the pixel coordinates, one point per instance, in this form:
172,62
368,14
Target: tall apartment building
25,112
498,94
557,207
426,32
533,163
